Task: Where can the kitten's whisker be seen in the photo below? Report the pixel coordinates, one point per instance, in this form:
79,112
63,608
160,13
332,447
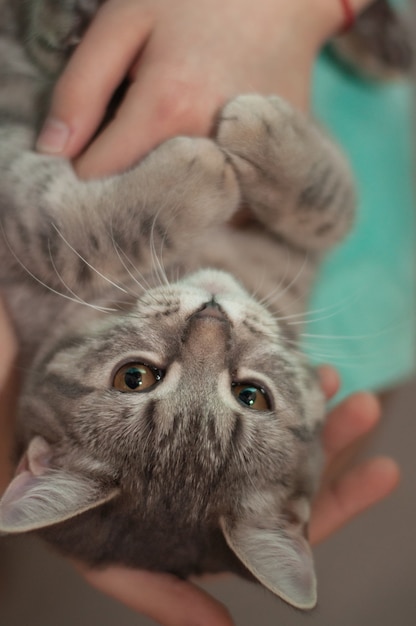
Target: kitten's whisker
295,278
258,288
278,296
156,263
342,337
302,316
323,357
45,285
94,269
158,259
332,356
78,298
382,332
263,301
332,310
119,252
178,273
273,294
145,285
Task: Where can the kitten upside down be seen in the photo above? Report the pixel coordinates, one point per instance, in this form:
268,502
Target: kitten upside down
168,419
192,459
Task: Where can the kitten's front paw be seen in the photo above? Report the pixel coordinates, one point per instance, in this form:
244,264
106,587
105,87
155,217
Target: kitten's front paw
258,132
193,177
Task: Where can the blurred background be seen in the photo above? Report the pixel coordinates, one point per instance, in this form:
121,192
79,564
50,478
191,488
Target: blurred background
366,572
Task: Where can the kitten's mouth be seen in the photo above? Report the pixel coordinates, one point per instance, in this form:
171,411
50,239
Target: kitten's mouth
211,309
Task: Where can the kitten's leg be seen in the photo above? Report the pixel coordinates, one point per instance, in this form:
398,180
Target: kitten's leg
292,176
59,227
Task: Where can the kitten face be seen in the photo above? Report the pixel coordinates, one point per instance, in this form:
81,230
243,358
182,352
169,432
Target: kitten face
192,423
219,389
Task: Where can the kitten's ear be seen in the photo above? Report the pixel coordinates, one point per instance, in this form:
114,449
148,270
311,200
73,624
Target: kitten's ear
39,496
275,550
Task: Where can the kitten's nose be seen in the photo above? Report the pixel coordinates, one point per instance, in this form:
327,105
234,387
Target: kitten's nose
206,338
211,309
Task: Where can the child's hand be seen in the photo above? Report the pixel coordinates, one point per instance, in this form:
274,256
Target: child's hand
347,490
183,60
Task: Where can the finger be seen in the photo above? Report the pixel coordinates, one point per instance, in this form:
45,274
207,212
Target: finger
8,345
96,69
329,380
349,421
8,396
358,490
162,597
148,115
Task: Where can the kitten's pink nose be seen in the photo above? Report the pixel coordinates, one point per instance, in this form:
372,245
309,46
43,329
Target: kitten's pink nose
211,309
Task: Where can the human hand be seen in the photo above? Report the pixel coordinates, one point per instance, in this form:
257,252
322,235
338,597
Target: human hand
346,491
183,60
173,602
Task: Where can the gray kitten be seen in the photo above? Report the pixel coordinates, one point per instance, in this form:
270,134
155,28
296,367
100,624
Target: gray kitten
167,418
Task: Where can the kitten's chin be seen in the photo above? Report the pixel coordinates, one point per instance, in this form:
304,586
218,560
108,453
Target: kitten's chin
215,282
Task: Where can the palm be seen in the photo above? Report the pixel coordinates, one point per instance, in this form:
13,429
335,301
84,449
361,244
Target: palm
345,493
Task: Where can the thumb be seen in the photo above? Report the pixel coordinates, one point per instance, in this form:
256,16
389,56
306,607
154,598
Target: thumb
98,66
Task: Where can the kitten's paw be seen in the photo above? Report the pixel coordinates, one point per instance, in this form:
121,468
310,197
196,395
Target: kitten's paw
195,177
258,133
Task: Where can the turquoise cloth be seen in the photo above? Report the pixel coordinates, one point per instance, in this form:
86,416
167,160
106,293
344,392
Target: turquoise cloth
363,307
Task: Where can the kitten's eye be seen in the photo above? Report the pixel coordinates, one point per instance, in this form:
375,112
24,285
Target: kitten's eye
136,377
251,396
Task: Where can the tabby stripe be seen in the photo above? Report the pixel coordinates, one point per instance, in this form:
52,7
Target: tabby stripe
148,419
69,388
237,431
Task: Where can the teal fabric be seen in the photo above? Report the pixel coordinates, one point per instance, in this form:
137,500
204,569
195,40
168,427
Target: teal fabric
363,310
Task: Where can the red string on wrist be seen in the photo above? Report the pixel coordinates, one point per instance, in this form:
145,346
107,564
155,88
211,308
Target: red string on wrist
349,15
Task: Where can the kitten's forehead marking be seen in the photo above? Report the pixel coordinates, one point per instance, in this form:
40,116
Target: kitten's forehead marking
245,374
147,357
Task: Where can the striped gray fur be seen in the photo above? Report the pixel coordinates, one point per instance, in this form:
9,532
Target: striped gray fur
185,476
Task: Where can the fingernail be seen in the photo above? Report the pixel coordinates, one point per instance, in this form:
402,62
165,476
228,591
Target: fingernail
53,137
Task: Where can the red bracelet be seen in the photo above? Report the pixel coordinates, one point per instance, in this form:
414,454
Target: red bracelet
349,16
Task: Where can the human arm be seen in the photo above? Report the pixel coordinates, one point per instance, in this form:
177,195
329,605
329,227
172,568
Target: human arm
183,60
